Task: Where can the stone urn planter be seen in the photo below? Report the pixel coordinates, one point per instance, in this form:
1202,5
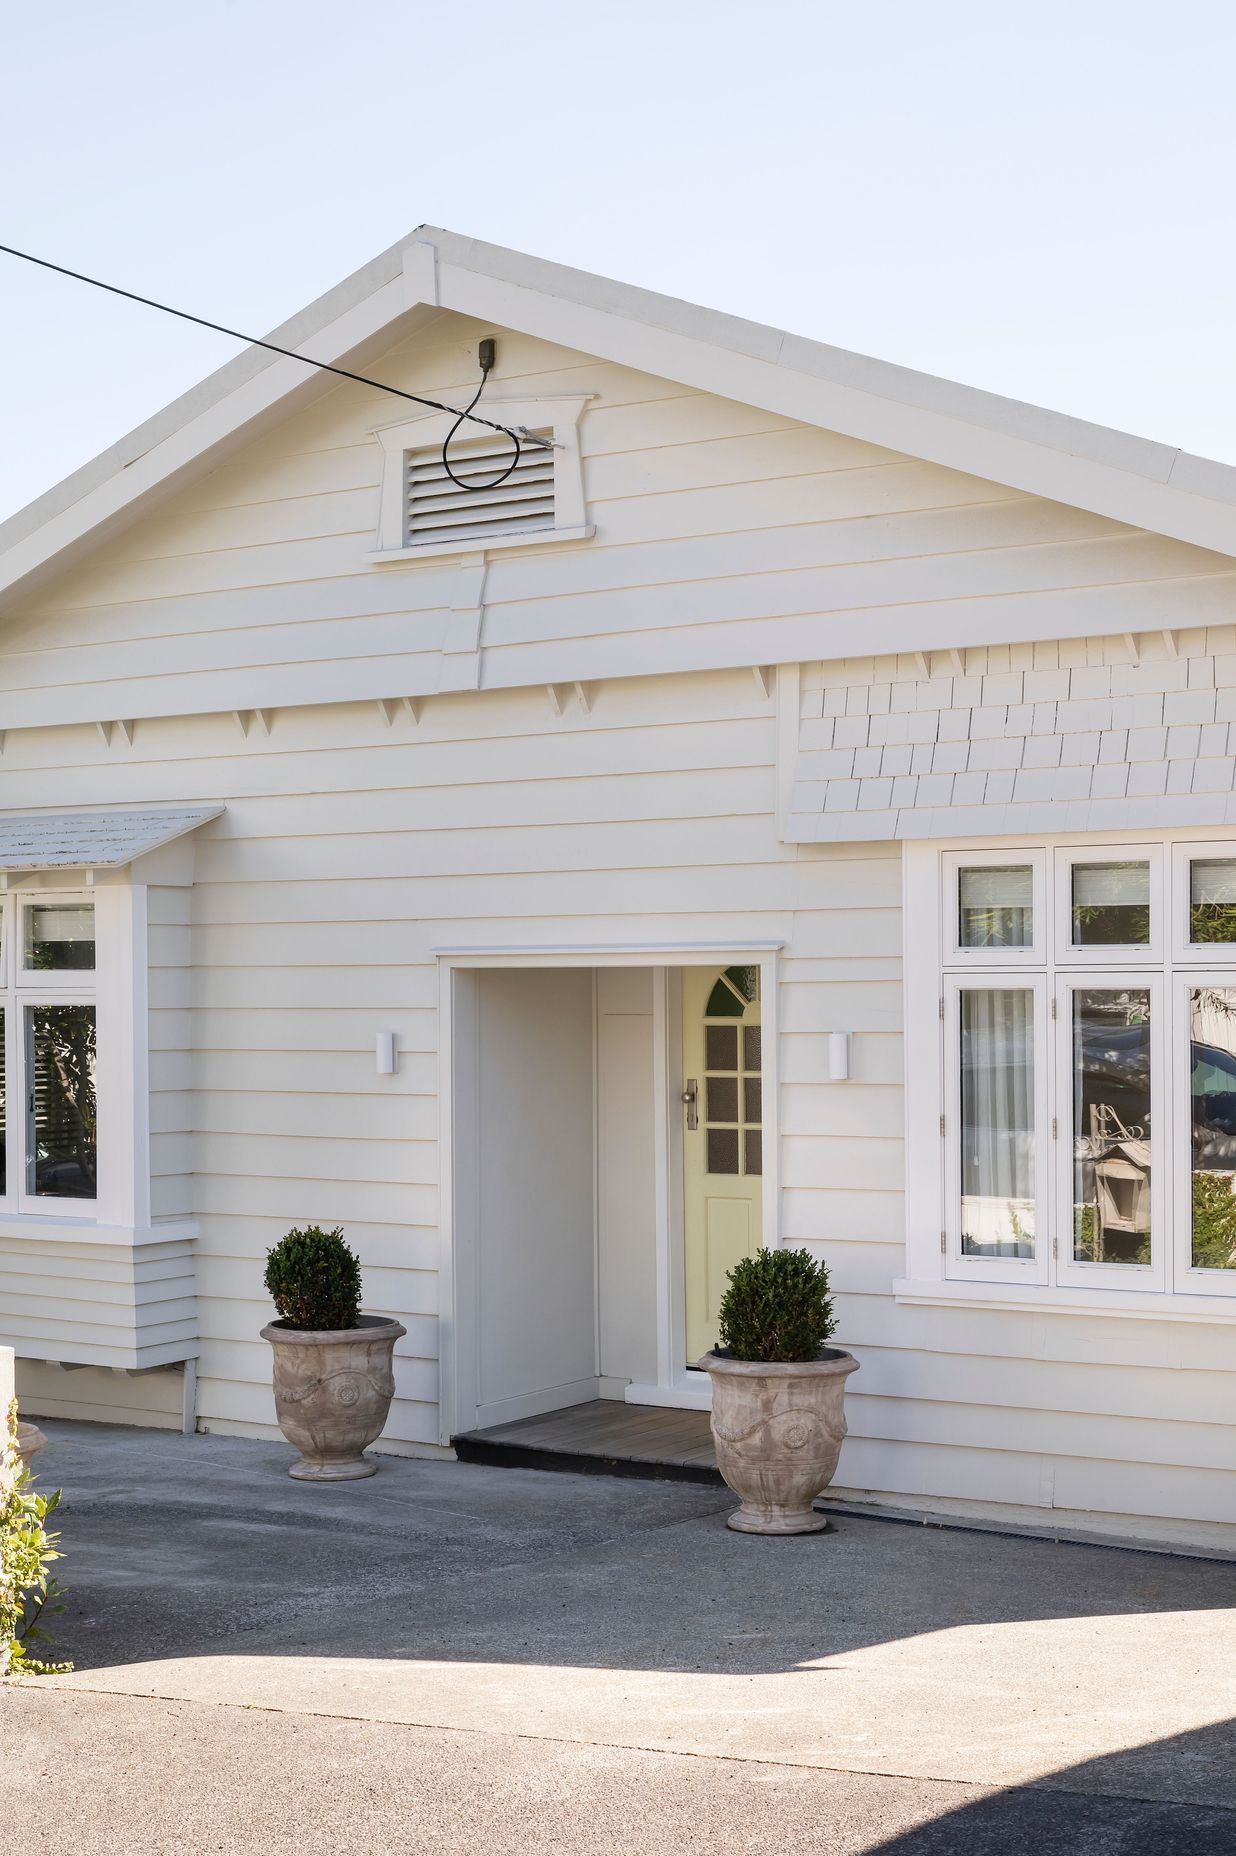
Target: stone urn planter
334,1378
30,1441
778,1427
333,1390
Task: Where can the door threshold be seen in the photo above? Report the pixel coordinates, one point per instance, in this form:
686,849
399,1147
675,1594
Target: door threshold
689,1397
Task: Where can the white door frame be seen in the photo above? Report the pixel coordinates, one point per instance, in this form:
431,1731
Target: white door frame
457,1234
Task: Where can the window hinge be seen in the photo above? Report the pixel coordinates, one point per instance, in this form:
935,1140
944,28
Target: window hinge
1055,1246
1055,1129
1053,1006
941,1005
944,1243
941,1127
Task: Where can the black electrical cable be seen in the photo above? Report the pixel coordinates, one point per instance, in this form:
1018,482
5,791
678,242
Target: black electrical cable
520,436
470,483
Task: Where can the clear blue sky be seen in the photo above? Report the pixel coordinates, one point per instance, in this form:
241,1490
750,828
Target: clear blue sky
1036,199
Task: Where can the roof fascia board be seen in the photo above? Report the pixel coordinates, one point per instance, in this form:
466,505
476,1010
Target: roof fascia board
1132,488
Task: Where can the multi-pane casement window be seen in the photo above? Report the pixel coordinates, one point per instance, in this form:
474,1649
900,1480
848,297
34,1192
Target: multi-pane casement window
49,1106
1071,1067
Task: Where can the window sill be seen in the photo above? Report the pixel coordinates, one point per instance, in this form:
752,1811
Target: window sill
35,1227
435,551
1126,1305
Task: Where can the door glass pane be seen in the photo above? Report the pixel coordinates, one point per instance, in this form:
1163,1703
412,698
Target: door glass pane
753,1151
997,1123
59,937
720,1047
751,1093
722,1150
1111,905
722,1098
1212,899
1111,1125
751,1047
995,906
62,1118
1212,1064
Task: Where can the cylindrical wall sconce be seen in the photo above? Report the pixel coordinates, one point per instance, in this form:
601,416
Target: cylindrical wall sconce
838,1056
384,1047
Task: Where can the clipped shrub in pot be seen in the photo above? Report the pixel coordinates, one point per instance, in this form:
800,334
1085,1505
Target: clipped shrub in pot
778,1391
333,1376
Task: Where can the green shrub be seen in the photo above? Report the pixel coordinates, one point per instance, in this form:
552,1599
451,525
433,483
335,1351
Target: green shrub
1214,1222
777,1307
28,1592
314,1279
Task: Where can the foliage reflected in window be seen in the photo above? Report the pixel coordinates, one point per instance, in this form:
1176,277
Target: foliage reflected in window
59,937
1212,900
1111,905
733,992
995,905
61,1061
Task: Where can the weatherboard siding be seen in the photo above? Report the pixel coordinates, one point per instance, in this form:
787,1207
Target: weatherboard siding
349,850
724,536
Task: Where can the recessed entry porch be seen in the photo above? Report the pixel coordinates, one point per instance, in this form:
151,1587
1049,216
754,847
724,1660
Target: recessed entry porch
607,1160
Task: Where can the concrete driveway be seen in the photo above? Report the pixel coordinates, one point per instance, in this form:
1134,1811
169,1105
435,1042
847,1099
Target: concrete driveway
463,1658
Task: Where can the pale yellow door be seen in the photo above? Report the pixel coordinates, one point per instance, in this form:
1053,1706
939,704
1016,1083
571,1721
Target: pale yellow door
721,1143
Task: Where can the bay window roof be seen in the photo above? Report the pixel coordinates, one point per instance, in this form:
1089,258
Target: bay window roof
92,840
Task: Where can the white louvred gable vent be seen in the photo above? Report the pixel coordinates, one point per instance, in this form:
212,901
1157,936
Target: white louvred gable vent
439,510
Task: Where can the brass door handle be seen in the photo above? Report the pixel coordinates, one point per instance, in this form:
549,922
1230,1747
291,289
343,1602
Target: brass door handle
691,1096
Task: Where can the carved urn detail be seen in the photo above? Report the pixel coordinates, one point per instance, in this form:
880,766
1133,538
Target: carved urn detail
778,1430
333,1391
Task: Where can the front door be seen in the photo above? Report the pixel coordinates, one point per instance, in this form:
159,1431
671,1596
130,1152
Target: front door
722,1158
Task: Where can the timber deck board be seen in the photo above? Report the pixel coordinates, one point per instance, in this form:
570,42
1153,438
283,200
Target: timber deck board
603,1435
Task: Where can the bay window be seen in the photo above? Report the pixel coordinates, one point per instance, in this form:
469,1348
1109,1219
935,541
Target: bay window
1071,1066
49,1146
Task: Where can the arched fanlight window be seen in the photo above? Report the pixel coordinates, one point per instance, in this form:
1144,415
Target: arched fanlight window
733,992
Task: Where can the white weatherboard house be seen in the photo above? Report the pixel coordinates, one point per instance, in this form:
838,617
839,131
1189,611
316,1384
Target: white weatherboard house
846,751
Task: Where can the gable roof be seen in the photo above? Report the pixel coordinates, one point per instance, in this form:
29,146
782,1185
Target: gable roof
1128,479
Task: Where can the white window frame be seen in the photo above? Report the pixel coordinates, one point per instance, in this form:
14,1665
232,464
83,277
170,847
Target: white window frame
981,1269
937,969
1069,953
557,417
117,989
1186,952
1138,1278
957,861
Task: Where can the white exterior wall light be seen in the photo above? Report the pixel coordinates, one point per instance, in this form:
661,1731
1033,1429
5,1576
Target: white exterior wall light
839,1056
384,1047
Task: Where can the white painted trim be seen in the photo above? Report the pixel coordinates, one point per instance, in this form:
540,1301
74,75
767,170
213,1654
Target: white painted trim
456,1246
789,721
680,1397
606,953
1167,972
84,1231
530,538
560,414
1119,1305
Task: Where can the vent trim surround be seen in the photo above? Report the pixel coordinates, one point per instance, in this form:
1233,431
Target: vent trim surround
423,515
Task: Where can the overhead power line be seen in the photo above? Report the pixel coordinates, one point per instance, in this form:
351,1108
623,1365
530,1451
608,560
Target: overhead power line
518,433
